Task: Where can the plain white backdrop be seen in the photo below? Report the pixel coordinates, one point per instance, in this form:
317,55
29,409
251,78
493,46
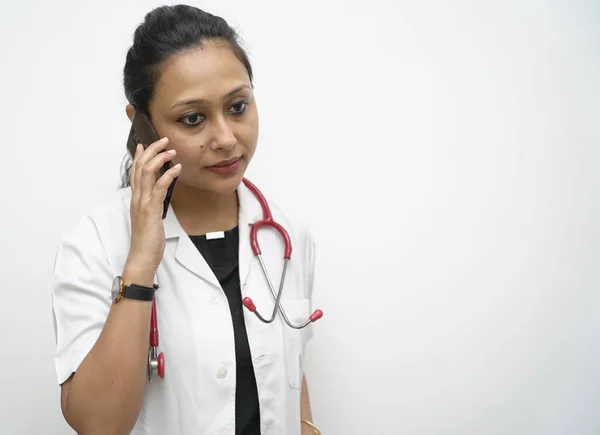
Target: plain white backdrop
445,154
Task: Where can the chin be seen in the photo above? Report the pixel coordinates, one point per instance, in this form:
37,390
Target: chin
221,185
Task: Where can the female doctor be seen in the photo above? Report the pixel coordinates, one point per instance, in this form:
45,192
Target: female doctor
226,372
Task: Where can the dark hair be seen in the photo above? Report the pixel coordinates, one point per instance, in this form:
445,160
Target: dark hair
169,30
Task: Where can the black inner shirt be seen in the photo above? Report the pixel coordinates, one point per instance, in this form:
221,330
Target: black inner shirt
222,256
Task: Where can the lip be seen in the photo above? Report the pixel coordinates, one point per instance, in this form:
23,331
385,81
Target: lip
226,167
225,163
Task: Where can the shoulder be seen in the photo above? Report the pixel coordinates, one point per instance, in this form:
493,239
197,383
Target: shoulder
111,212
295,224
103,227
114,209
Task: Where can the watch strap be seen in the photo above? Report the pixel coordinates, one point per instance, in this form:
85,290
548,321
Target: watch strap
138,292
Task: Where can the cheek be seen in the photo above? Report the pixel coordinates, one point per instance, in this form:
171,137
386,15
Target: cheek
189,154
248,135
191,162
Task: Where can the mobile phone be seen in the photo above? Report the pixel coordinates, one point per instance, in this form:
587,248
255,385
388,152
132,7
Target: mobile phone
142,132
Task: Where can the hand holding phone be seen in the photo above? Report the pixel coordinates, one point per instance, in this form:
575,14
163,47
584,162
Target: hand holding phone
153,178
142,132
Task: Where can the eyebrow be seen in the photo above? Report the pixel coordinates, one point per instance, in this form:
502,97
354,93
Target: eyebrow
203,101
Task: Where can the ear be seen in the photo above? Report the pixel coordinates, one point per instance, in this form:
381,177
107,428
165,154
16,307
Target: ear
130,110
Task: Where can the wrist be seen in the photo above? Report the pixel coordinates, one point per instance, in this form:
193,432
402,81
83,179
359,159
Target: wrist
138,274
312,429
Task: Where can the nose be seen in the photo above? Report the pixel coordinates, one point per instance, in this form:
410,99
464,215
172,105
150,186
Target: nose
223,138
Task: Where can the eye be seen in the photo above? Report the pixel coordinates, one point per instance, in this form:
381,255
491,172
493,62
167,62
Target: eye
192,119
238,107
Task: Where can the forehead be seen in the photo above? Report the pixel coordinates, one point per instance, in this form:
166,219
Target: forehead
207,72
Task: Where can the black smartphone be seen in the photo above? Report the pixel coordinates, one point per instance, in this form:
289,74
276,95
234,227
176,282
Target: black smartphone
142,132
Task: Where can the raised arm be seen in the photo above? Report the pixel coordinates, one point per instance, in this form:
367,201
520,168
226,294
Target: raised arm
102,346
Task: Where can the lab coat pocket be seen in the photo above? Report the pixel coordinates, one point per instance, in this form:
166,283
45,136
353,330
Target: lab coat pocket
297,311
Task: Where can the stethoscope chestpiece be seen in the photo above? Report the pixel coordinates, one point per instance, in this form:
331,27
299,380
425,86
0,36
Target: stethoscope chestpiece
156,364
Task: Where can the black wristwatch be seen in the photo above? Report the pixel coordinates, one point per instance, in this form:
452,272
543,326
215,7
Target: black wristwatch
132,291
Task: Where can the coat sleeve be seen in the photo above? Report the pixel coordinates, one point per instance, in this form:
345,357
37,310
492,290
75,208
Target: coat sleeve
81,295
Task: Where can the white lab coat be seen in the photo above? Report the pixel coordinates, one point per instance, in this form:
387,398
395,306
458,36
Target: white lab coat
197,395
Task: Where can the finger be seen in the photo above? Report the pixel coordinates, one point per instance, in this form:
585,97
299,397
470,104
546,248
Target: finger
150,152
146,155
138,151
161,158
150,172
136,154
162,185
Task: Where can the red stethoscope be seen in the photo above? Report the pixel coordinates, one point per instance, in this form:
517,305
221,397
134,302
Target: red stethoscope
156,361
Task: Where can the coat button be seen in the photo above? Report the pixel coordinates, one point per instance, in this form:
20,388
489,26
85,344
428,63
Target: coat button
214,300
221,373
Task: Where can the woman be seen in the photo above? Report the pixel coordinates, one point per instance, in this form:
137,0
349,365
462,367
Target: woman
226,372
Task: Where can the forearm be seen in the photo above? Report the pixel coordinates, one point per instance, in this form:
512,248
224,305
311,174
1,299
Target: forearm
305,409
105,395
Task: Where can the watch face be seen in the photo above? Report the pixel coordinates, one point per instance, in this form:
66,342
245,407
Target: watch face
116,287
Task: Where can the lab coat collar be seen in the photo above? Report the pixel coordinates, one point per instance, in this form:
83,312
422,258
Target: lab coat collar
249,213
250,210
186,252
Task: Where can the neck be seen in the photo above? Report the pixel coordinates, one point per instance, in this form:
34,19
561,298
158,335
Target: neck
200,211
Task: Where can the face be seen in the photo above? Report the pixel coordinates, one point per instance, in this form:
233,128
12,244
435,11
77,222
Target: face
203,102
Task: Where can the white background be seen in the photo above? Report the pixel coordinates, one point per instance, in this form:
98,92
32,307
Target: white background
446,155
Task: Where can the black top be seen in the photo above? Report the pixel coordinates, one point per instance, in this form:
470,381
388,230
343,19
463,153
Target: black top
222,256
